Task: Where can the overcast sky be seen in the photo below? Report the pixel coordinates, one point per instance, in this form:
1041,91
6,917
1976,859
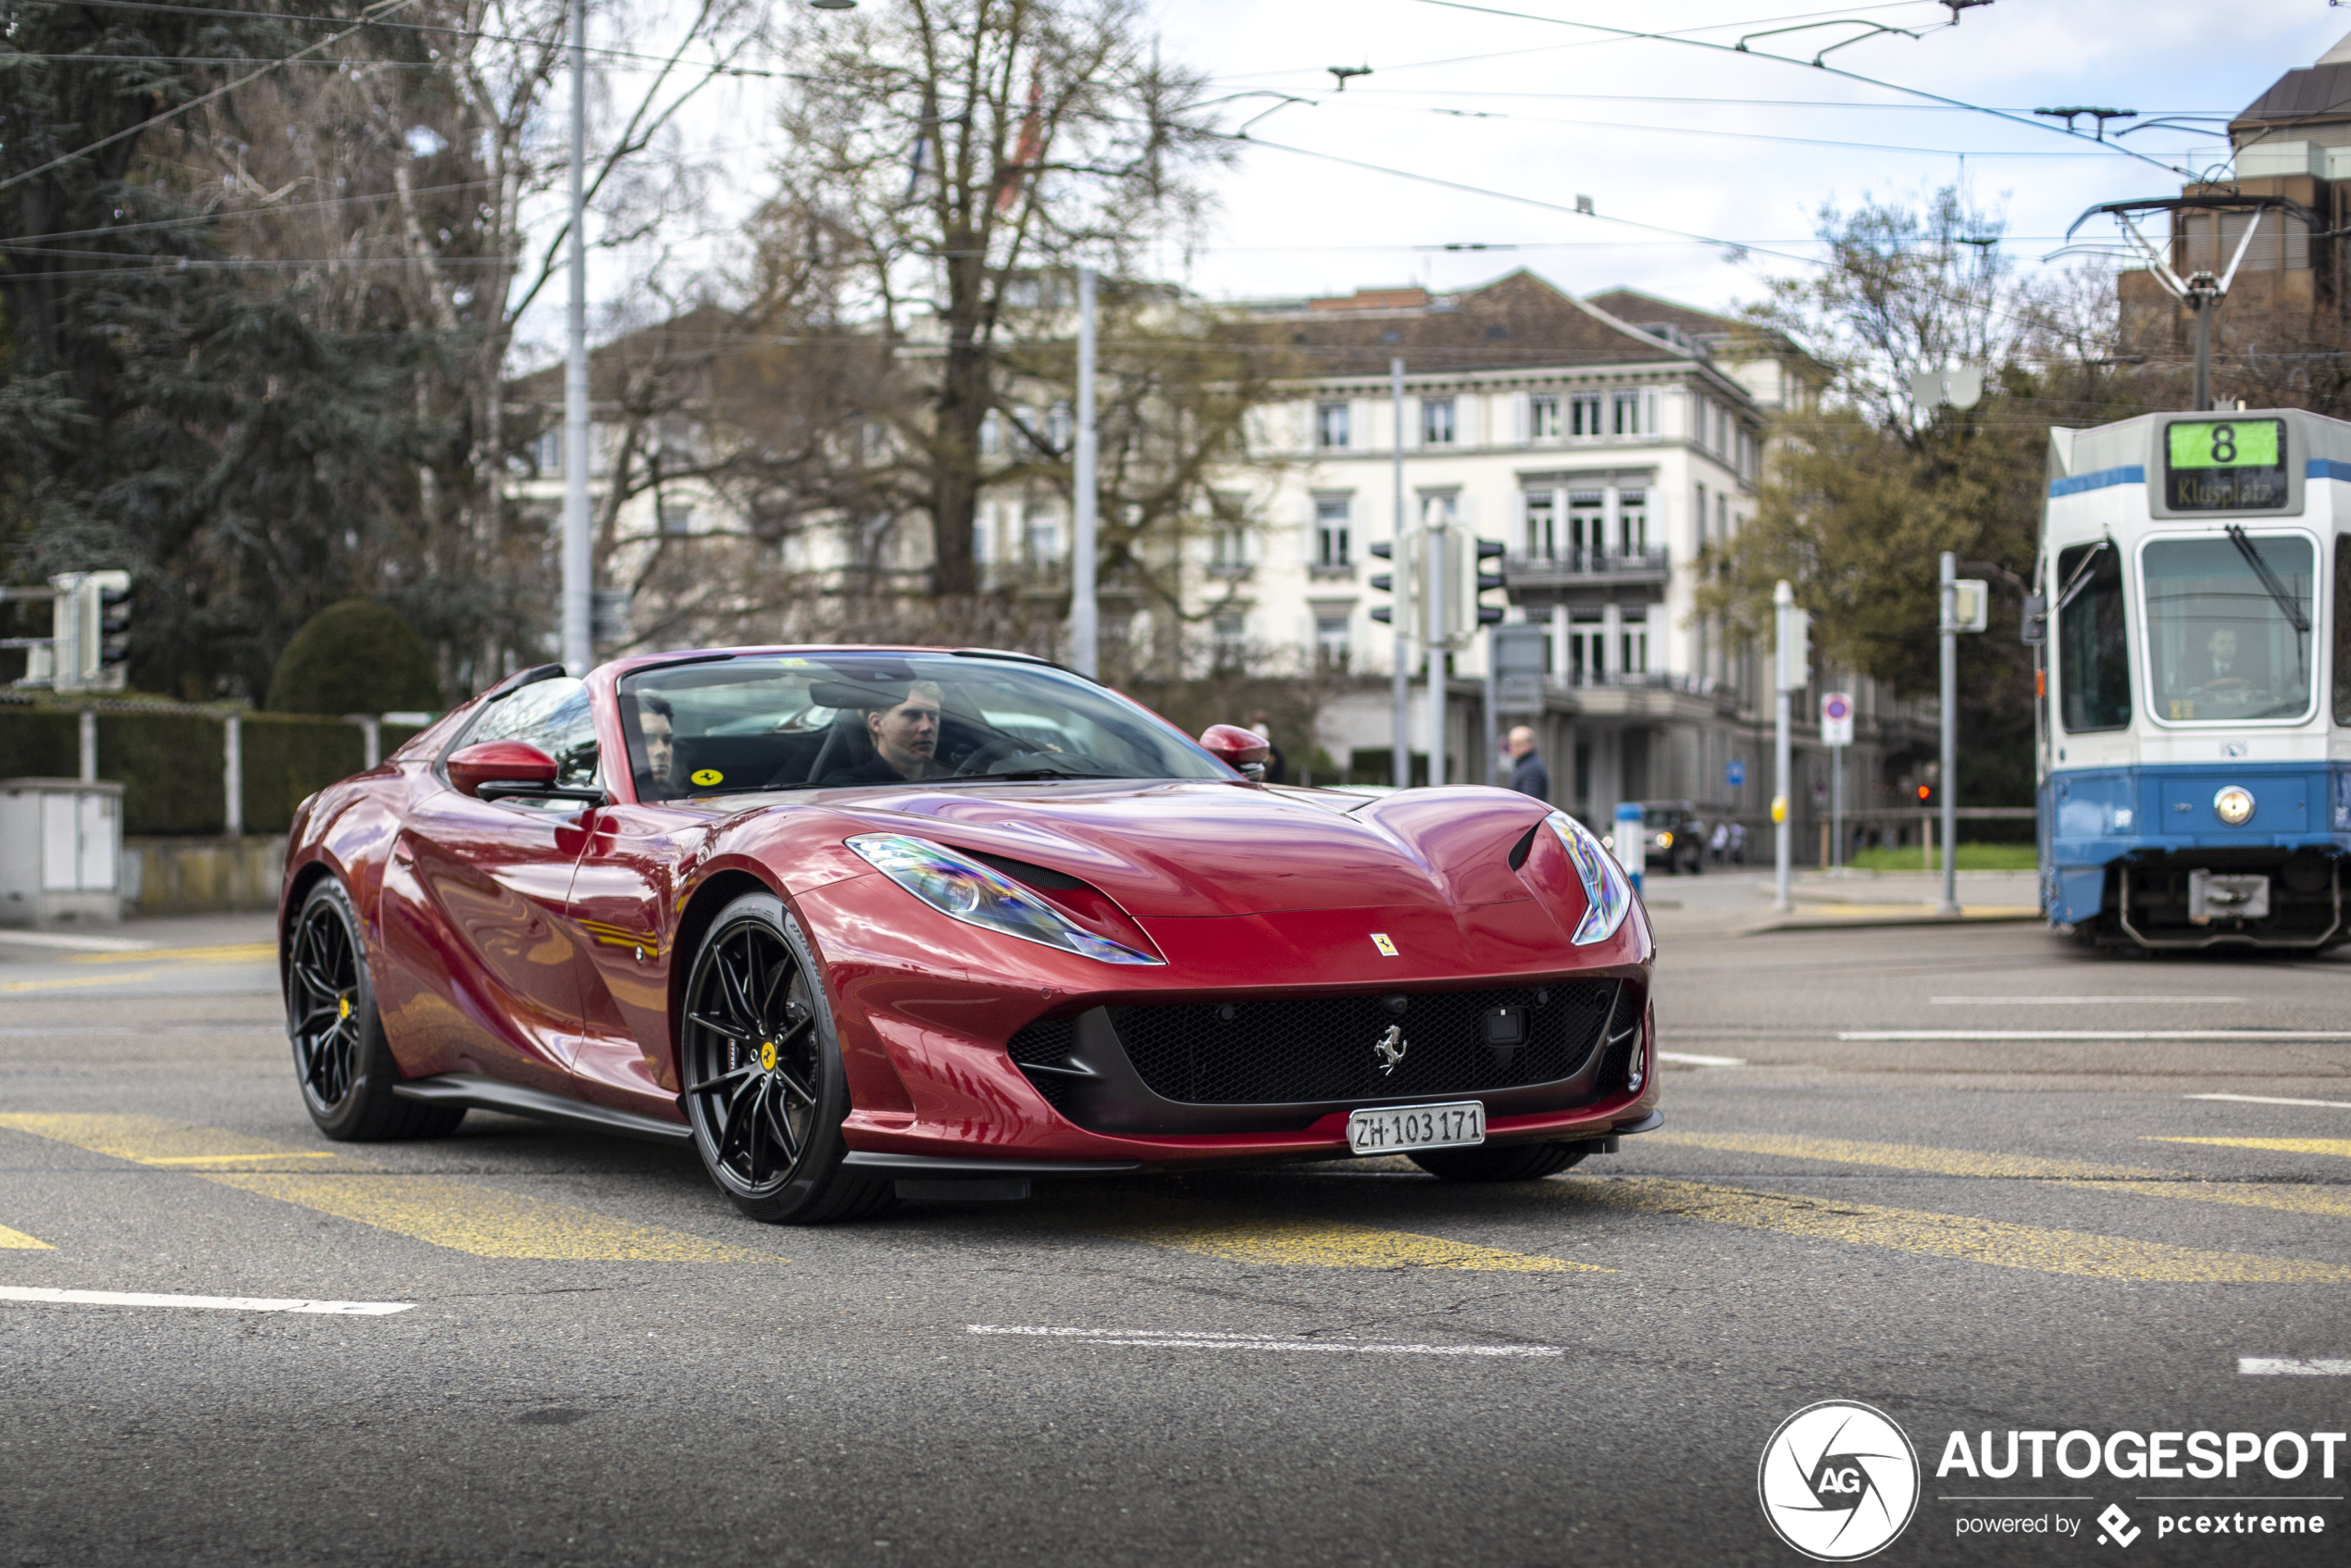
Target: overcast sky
1751,159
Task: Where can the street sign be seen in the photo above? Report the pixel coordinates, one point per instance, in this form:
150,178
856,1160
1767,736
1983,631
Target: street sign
1836,719
1734,773
1971,599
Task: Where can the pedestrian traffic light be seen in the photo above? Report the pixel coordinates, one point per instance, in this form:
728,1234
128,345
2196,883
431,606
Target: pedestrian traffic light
1403,612
1468,572
114,619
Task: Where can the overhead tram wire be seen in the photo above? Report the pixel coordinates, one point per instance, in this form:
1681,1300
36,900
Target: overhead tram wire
1815,64
197,102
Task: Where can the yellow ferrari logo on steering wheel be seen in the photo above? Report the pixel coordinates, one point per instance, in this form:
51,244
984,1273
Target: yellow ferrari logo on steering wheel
708,776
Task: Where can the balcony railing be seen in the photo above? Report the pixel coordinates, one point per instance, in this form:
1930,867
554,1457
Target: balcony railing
1644,679
1574,565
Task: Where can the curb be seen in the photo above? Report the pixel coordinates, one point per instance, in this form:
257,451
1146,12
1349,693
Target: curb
1993,916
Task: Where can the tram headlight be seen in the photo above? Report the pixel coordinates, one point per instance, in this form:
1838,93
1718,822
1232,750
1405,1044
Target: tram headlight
2233,805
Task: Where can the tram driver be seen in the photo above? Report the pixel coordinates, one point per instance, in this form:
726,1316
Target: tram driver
2224,669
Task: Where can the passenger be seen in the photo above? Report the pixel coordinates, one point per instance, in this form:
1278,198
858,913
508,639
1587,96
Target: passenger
657,725
905,739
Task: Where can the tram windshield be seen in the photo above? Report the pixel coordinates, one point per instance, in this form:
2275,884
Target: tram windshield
2229,627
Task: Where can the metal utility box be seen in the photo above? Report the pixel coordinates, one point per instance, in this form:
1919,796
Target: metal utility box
60,851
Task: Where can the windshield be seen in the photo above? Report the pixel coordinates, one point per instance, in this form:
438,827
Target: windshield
815,721
2229,627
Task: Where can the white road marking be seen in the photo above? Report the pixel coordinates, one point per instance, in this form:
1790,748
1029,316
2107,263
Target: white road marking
1688,1060
1180,1339
2288,1366
2074,1000
79,944
2093,1034
2272,1100
221,1303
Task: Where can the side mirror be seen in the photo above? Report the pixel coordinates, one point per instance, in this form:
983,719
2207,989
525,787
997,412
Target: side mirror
501,764
1244,750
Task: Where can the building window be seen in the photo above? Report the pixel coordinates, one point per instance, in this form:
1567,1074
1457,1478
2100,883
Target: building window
551,452
1723,516
1633,522
1628,414
1701,530
1041,535
1437,421
1230,634
1543,417
1058,427
1330,531
991,434
1587,649
676,522
1634,658
1584,415
1542,526
1586,509
1330,638
1331,426
1228,549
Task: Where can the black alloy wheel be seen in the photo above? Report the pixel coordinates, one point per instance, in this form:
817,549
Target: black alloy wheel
341,1059
765,1088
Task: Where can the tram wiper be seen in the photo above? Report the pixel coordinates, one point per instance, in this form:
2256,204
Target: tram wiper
2287,604
2081,577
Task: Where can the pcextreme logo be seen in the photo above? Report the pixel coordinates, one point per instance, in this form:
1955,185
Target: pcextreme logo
1839,1481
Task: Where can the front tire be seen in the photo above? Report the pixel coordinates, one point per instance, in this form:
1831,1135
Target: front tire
341,1060
765,1087
1507,1161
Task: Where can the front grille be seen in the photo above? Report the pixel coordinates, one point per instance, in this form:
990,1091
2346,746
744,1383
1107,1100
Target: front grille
1293,1052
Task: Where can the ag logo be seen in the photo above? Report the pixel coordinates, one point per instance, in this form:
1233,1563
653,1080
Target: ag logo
1839,1481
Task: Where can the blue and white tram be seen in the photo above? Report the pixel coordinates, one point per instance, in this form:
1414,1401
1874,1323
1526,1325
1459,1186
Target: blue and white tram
2195,728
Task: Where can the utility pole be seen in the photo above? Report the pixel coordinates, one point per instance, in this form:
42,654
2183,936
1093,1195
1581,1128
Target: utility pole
1790,654
1433,633
1085,614
1950,630
578,559
1401,695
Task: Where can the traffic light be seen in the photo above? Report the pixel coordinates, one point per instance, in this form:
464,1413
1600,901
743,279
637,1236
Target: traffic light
1475,582
1402,613
114,619
1926,794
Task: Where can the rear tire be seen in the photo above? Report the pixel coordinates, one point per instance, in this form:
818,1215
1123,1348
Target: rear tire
1507,1162
765,1087
341,1060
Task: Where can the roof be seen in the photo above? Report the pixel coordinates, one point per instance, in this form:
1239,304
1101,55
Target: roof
1518,320
2319,95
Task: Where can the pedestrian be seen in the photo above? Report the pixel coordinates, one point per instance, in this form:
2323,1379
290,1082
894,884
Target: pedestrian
1261,723
1528,776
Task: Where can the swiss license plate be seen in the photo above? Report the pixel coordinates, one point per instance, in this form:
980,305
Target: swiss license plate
1392,1129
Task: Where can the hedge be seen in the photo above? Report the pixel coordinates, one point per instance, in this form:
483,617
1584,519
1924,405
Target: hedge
172,765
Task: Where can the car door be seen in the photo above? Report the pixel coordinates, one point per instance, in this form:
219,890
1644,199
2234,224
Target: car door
484,969
621,895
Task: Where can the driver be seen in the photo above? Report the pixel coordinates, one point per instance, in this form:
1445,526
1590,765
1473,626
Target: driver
905,739
657,724
2222,664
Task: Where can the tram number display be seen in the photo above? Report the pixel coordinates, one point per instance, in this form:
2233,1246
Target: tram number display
2225,466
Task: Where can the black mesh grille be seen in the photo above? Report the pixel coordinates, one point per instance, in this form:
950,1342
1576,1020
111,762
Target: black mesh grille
1047,1043
1322,1048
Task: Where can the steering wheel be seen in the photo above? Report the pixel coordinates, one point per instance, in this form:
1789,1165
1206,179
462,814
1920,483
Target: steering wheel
994,751
2230,685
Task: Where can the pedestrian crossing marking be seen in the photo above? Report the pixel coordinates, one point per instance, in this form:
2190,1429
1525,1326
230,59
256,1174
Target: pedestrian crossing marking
1961,1237
231,953
2339,1147
1238,1235
464,1217
484,1221
17,1241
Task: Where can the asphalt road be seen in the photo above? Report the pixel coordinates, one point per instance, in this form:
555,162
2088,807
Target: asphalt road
1965,1175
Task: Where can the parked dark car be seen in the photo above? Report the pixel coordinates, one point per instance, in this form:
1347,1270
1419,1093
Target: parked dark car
1677,839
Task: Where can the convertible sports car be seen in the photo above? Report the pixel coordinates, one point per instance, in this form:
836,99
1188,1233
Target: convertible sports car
863,922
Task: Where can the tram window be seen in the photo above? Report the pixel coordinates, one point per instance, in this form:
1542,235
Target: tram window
2343,629
2229,627
2094,657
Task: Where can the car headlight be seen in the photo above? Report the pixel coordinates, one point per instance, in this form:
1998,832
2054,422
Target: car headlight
1665,840
1607,896
963,889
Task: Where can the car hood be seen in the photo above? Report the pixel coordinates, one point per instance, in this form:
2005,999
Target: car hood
1182,849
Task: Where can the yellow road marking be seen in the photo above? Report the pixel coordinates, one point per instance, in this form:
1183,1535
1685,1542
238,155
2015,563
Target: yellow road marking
2338,1147
484,1221
229,952
461,1215
1995,1242
1895,1156
1240,1237
82,980
17,1241
2294,1198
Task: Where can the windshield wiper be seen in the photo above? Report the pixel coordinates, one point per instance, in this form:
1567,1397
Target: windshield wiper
2286,602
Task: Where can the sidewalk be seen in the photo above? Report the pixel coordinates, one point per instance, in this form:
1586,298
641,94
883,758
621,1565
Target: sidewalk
1738,902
